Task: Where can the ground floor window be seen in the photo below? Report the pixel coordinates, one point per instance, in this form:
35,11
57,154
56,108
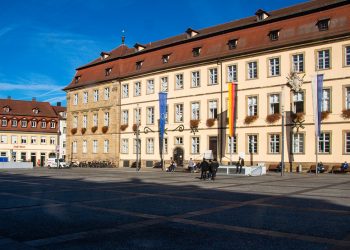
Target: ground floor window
195,145
232,143
150,146
298,143
253,144
324,143
347,143
125,146
274,143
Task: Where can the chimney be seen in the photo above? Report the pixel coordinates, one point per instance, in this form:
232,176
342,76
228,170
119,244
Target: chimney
33,99
9,97
58,104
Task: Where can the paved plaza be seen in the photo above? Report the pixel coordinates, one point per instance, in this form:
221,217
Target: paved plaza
151,209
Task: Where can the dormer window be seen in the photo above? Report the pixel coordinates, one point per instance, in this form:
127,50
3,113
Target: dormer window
261,15
323,24
4,122
36,111
6,109
139,47
196,51
165,58
139,65
191,33
232,44
108,71
274,35
104,55
77,78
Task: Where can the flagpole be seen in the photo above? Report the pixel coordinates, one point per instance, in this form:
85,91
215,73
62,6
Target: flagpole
231,150
317,141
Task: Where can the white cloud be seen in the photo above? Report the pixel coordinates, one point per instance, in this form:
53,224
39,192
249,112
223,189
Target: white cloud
56,99
31,87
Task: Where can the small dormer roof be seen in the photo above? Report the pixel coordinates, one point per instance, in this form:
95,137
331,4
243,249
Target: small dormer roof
139,47
261,15
191,32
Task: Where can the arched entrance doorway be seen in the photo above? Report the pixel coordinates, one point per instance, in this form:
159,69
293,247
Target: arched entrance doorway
178,156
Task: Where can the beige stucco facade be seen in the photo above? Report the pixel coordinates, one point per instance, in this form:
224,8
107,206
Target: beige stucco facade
336,80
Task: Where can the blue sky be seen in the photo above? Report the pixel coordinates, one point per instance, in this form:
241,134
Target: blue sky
42,42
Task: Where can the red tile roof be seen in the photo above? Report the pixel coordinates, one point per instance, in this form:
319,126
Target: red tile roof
297,25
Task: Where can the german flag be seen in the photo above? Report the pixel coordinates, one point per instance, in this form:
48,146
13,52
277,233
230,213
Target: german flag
232,99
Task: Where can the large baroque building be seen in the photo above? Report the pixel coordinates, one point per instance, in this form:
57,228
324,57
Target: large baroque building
29,130
272,56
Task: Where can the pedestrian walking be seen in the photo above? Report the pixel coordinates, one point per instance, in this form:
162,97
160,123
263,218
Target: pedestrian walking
240,164
204,169
214,168
191,165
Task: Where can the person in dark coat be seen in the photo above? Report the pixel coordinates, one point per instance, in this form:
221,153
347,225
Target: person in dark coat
204,169
240,163
214,165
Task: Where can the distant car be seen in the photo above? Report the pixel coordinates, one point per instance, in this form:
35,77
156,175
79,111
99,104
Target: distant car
53,163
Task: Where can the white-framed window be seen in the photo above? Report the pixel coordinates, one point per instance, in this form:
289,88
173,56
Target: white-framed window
179,112
165,146
195,79
33,140
347,142
43,140
24,123
75,99
52,124
347,98
137,146
95,120
234,144
232,73
106,119
347,55
323,59
74,147
4,139
85,97
274,143
274,66
164,84
253,144
252,105
14,123
52,140
150,115
75,121
94,146
149,146
252,70
43,124
125,90
213,76
106,93
213,109
4,123
150,86
125,146
23,139
324,143
125,117
179,81
96,95
84,121
195,145
14,139
326,100
195,110
298,63
179,140
298,143
137,115
137,89
105,146
84,146
274,101
298,102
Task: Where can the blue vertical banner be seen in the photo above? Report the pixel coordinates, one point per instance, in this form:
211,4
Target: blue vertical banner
317,94
162,114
